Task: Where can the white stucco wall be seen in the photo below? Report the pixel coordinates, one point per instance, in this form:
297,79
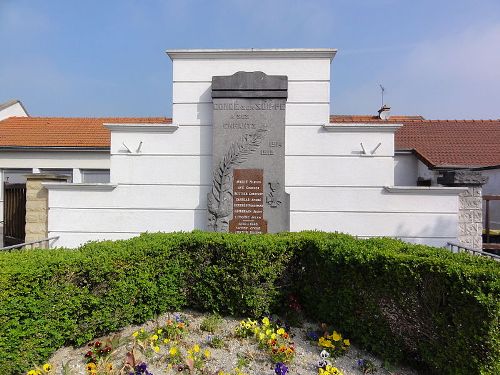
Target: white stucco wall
332,185
405,169
15,109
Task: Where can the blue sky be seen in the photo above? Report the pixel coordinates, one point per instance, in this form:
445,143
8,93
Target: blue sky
439,59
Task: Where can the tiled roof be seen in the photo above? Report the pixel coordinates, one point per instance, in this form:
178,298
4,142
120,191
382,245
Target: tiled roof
64,132
443,143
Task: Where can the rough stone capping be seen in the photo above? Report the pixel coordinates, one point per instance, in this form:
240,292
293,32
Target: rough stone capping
250,85
462,178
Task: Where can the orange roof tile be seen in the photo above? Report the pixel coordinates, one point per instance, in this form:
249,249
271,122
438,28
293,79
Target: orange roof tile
443,143
64,132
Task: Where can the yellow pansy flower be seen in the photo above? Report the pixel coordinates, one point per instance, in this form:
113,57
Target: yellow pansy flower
196,348
347,342
273,336
265,321
166,341
156,349
280,331
47,367
207,353
154,337
324,342
91,366
261,336
173,351
336,336
135,334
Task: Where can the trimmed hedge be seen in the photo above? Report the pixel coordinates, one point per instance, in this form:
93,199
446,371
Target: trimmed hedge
405,302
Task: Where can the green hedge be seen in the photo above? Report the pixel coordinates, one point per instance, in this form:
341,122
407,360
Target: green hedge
405,302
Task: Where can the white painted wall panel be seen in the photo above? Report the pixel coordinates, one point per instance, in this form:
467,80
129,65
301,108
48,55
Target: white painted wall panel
405,170
296,69
377,224
186,140
296,114
174,170
307,114
298,92
63,160
300,140
339,171
314,140
132,220
154,197
338,199
300,170
359,199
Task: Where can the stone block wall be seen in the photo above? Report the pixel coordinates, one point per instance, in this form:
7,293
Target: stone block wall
470,213
37,206
470,220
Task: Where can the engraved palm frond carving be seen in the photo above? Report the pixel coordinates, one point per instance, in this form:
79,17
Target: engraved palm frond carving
219,198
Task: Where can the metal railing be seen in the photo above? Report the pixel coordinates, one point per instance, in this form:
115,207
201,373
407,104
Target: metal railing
456,247
45,241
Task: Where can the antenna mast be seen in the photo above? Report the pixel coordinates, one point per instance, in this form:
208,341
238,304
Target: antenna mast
382,89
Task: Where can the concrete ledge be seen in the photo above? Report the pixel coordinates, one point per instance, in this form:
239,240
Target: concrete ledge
362,127
248,53
86,187
142,128
424,190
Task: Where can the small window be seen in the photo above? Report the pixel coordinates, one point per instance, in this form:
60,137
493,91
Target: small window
68,173
95,176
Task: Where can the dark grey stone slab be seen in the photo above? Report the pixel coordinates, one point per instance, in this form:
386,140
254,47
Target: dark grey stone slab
249,85
248,186
462,178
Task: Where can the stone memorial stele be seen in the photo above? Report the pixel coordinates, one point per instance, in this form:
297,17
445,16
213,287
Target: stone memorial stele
248,181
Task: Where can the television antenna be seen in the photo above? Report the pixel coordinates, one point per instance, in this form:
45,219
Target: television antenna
382,90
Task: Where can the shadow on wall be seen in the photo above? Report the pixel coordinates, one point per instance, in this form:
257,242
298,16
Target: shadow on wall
205,143
437,234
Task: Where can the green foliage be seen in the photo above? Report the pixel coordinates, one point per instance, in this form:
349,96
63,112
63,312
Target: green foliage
211,323
404,302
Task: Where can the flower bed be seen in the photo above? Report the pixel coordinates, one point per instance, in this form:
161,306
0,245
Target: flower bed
148,348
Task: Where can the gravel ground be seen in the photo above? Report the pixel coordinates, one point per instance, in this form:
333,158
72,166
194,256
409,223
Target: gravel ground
226,358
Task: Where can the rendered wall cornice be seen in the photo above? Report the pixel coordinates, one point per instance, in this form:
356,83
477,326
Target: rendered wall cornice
362,127
78,187
249,53
142,128
425,190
